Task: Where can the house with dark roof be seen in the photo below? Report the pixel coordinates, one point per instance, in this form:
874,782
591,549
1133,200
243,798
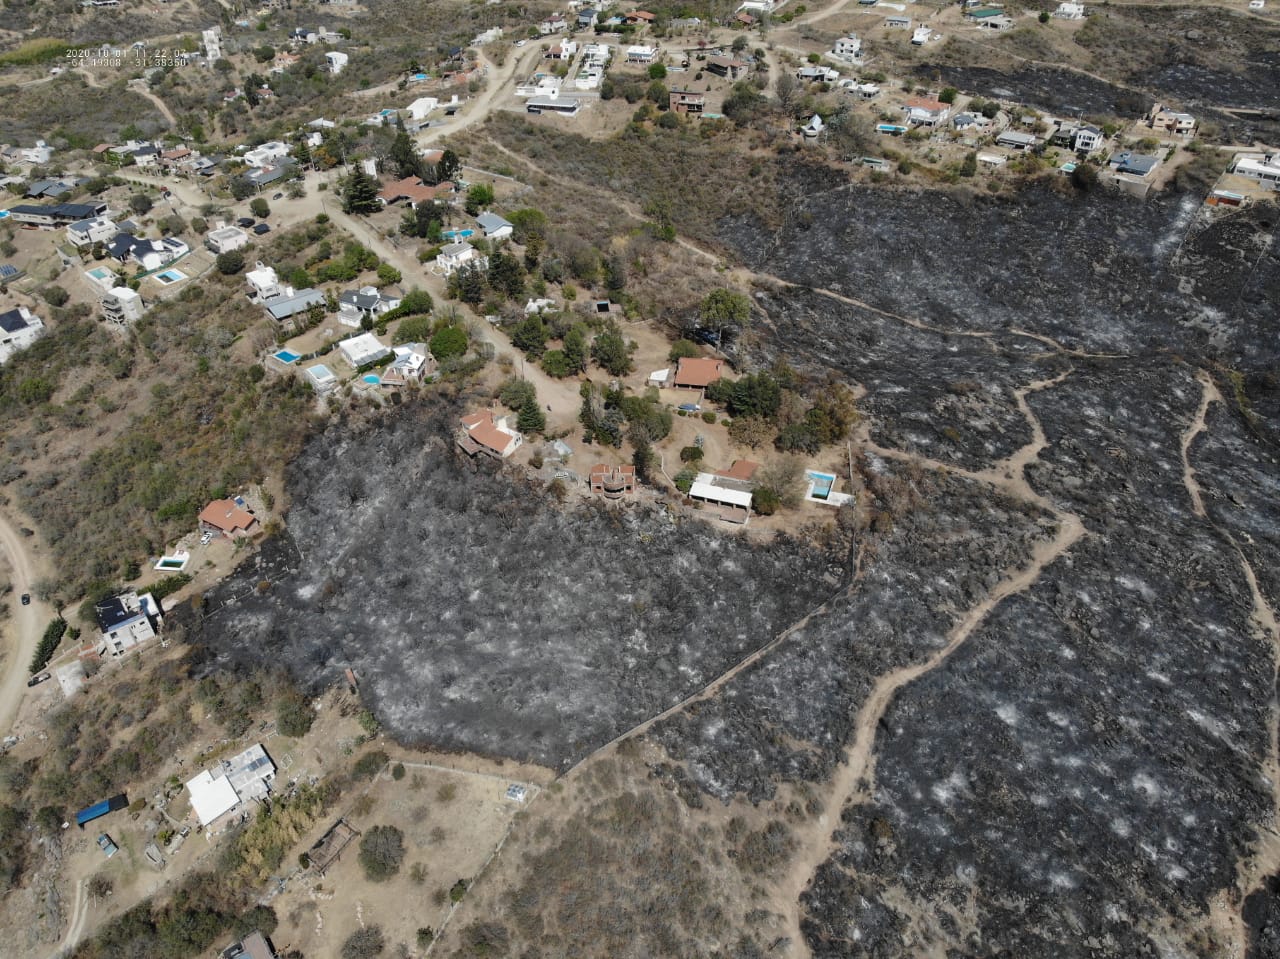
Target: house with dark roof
85,233
290,304
126,621
1128,163
55,214
19,328
148,254
355,305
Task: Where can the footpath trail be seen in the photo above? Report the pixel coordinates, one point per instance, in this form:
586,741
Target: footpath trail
22,630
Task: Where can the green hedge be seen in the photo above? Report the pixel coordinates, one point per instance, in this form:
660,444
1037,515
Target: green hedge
48,644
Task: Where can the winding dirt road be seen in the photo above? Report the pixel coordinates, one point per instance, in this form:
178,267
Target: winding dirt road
23,628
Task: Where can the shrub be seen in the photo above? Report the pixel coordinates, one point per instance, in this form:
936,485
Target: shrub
458,891
397,772
381,852
426,937
294,715
684,479
55,295
683,349
369,765
230,263
691,454
448,342
364,943
515,393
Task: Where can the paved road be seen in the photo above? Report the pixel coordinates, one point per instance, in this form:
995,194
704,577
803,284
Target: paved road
22,629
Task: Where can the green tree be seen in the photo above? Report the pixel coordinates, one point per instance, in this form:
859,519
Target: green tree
658,94
448,342
55,295
615,274
506,275
575,349
969,166
242,187
948,95
294,715
140,204
611,351
230,263
479,197
722,308
556,364
447,166
531,419
381,852
404,155
259,208
388,274
360,193
657,71
530,335
515,393
526,223
366,943
469,284
683,349
642,460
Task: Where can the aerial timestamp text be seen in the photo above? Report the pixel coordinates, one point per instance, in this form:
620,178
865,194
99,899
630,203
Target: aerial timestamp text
135,57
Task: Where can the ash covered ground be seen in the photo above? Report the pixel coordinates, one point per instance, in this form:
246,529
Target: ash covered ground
1086,772
479,615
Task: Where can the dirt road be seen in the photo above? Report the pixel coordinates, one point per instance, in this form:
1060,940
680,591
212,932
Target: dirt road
22,629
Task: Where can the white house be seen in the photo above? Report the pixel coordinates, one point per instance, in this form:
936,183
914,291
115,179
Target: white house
265,154
1070,11
817,74
212,40
1088,139
898,23
337,61
925,112
38,154
457,255
1017,140
494,226
641,54
847,48
492,35
921,36
421,107
321,378
362,349
540,86
84,233
122,305
1263,167
222,789
263,282
413,364
225,239
552,24
814,126
19,328
540,305
127,621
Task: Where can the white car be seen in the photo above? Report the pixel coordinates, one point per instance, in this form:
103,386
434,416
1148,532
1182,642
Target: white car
521,43
205,539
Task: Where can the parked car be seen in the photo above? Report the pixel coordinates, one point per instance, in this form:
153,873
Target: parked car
26,599
107,846
38,678
521,43
261,228
277,196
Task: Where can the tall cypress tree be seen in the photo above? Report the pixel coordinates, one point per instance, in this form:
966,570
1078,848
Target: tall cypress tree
360,193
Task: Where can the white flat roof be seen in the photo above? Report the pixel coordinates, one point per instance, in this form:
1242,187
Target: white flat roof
704,488
211,796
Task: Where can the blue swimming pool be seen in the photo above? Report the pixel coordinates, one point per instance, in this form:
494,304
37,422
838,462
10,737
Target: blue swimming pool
3,214
822,483
286,357
457,234
372,378
171,276
892,128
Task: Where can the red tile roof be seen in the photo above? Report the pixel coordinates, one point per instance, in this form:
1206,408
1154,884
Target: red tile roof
413,190
740,470
225,515
698,371
925,103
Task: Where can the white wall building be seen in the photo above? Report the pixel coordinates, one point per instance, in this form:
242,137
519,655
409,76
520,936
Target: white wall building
122,305
263,282
19,328
38,154
337,61
222,789
265,154
88,232
422,106
847,48
362,349
212,40
225,239
1263,167
127,621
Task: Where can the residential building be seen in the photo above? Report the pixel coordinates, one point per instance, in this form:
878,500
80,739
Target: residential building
587,18
457,255
925,112
38,155
1087,139
228,517
85,233
1070,11
266,153
898,22
412,190
263,282
1128,163
1017,140
122,305
727,67
539,85
552,24
811,73
734,500
254,945
642,17
686,101
272,173
565,106
225,239
814,127
224,788
148,254
494,226
696,373
336,60
362,349
641,54
291,303
613,482
866,91
1263,167
921,36
55,214
126,621
564,50
321,378
1171,121
540,305
212,40
354,306
19,328
52,189
421,107
847,48
483,433
413,363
